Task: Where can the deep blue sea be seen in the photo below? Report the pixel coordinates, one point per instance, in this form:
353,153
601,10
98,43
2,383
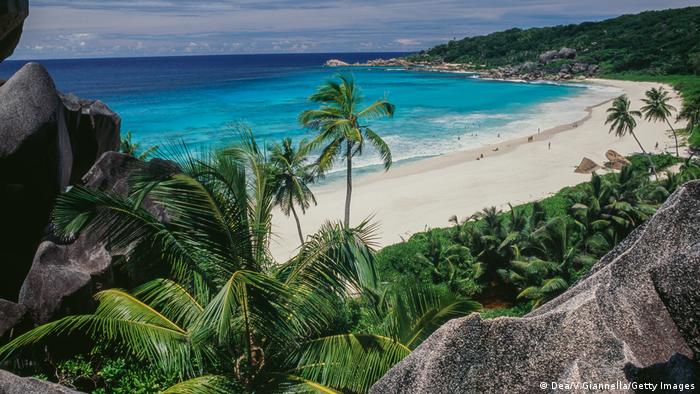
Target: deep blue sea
198,98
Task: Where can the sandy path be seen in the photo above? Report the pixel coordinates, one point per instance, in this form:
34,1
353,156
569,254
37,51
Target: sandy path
424,194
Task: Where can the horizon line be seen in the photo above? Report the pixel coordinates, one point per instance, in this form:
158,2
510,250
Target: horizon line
204,55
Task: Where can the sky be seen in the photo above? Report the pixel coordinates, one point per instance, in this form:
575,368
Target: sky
116,28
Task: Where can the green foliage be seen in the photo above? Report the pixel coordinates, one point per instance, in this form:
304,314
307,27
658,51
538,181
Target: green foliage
694,139
97,374
656,42
227,317
292,176
528,255
518,310
131,148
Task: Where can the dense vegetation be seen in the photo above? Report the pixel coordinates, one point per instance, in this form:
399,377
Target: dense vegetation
654,42
514,261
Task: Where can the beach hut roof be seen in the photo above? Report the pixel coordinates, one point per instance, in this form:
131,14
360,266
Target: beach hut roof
587,166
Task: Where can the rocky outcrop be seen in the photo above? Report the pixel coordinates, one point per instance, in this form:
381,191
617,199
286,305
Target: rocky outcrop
12,15
64,276
564,53
336,63
47,142
530,71
393,62
11,315
638,305
13,384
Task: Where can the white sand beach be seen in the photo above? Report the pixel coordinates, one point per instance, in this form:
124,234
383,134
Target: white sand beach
425,193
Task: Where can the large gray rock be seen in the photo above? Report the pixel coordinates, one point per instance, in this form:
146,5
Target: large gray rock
13,384
11,315
12,15
564,53
548,56
63,277
639,305
567,53
47,141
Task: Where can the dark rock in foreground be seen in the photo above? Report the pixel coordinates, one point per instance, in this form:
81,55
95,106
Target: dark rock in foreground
640,304
63,277
680,374
47,142
13,384
11,315
12,15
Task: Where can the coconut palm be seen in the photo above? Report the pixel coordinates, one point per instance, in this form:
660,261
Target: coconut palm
343,129
691,113
406,315
536,279
293,175
622,122
227,317
131,148
657,108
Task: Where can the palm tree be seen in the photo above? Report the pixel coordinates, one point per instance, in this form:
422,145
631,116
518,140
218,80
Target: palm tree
691,112
342,127
657,108
134,148
406,316
293,176
226,315
622,122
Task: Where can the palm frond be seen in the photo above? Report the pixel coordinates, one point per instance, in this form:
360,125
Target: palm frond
207,384
349,361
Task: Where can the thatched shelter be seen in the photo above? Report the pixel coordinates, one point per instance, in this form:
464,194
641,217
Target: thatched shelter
615,160
587,166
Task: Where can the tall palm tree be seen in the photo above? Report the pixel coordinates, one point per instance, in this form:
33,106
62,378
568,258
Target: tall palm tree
622,122
657,108
226,316
342,127
292,176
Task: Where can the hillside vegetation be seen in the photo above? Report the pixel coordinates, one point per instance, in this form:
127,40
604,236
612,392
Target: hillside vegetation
655,42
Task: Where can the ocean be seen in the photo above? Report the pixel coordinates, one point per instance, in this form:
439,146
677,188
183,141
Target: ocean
202,99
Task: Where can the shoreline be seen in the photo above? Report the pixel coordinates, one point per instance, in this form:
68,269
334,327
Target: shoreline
425,193
474,154
471,153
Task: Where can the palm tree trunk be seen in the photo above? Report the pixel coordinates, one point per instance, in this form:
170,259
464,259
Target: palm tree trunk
296,217
675,136
248,335
348,192
651,163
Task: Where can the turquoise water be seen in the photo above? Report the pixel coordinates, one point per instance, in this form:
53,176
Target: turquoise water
197,99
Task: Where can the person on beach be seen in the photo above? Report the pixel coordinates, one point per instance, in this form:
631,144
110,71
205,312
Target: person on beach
549,145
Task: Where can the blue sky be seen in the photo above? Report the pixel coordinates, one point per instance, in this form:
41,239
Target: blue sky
105,28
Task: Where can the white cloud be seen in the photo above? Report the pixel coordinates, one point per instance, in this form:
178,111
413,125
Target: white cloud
74,28
407,41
